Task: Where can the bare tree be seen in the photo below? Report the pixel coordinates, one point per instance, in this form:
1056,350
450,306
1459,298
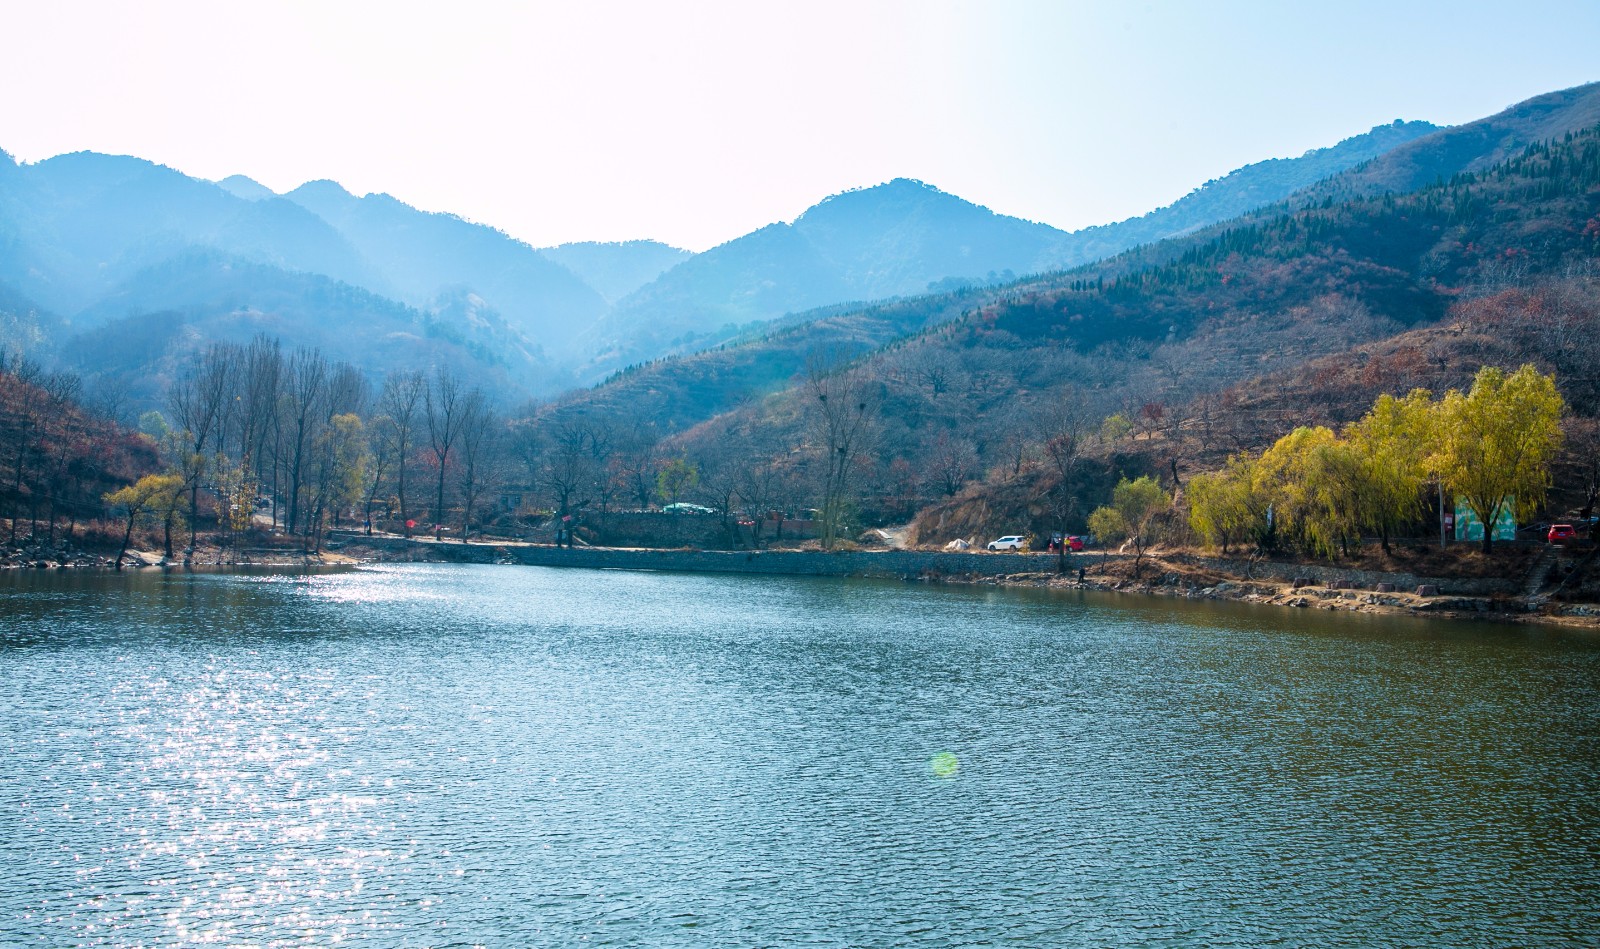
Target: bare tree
381,446
442,405
305,412
569,468
931,366
842,406
479,428
1015,439
636,460
197,401
401,402
341,449
719,465
259,392
1063,425
951,463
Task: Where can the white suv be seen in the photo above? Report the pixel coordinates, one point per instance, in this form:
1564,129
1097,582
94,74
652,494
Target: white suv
1008,542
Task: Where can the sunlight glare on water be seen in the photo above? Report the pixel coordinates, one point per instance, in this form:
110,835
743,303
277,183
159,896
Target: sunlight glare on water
451,755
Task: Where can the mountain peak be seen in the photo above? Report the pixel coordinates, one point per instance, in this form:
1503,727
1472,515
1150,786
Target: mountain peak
249,189
324,198
897,190
322,188
97,169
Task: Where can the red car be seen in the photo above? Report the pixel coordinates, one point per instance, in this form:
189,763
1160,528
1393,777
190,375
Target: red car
1562,532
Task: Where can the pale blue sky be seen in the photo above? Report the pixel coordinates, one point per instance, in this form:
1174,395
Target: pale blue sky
695,122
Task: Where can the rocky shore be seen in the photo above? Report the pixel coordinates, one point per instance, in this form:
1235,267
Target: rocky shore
45,556
62,556
1172,580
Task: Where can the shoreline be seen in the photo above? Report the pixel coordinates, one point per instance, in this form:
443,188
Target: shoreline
1183,575
1582,616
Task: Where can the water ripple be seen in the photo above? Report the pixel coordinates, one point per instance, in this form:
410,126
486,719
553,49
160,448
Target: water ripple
434,756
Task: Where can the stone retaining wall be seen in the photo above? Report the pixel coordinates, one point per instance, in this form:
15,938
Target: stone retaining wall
883,563
877,563
888,563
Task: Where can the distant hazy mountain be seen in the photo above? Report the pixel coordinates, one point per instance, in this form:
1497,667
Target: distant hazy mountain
75,226
99,239
1238,192
421,254
142,330
615,270
888,240
610,269
907,237
247,188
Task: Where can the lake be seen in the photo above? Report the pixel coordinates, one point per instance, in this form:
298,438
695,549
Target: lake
426,755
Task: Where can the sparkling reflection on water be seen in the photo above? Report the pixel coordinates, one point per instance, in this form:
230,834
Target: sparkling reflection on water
452,755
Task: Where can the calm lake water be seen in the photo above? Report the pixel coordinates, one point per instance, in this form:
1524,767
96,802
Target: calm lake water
454,756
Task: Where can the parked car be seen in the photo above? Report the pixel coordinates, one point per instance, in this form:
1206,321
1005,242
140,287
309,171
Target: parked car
1008,542
1561,533
1075,542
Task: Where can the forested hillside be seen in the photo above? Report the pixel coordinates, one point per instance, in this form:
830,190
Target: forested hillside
1159,349
57,460
992,405
25,326
908,238
1237,193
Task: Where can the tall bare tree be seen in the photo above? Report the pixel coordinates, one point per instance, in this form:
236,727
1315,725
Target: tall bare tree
260,389
575,448
1062,425
842,403
478,453
305,413
443,402
198,400
401,402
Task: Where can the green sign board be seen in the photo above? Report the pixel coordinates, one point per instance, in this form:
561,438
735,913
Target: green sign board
1468,527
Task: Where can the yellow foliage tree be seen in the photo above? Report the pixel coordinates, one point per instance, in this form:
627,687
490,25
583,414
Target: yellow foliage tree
1134,505
1225,507
149,495
1311,480
1496,442
1393,442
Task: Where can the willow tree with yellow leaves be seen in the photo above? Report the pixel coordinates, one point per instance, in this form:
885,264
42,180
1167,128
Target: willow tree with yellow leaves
1225,508
1393,442
1494,443
1312,481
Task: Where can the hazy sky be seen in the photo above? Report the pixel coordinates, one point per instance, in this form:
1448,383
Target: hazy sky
694,122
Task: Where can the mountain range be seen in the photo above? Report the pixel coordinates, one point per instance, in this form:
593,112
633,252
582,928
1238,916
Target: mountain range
94,248
1217,341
